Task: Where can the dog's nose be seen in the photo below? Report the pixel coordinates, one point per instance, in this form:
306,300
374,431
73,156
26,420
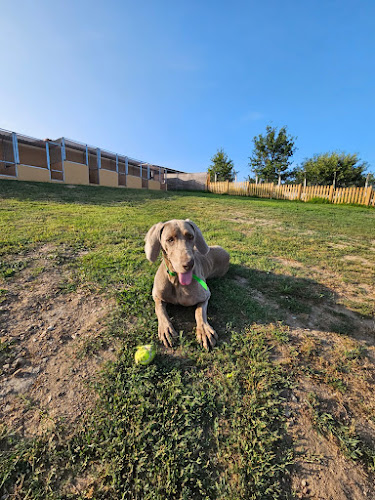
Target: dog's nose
189,265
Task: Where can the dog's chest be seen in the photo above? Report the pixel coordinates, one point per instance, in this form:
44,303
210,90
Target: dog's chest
190,295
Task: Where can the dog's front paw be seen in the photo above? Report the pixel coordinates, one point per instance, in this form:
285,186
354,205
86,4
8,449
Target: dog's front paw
206,336
166,334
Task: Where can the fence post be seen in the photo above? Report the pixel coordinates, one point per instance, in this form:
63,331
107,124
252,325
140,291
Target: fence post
299,192
331,190
368,196
227,187
207,186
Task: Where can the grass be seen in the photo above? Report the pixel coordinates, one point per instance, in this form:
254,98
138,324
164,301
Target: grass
192,424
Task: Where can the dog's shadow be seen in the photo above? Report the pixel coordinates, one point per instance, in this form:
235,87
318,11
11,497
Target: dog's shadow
246,296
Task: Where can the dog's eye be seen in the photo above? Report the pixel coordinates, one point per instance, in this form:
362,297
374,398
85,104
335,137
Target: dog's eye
189,236
170,240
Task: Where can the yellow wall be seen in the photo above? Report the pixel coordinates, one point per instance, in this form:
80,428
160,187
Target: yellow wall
75,173
133,182
108,178
153,184
26,173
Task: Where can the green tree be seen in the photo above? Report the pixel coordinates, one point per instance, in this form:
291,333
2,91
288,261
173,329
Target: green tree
337,168
222,167
370,177
272,154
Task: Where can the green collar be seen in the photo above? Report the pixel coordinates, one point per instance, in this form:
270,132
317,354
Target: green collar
199,280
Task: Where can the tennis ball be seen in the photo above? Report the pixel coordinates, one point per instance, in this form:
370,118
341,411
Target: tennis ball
144,354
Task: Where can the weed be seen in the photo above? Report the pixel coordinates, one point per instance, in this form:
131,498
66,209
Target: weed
3,295
67,286
346,437
5,349
9,269
356,353
281,333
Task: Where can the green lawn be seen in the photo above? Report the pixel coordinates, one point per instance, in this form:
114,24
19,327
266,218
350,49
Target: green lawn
194,424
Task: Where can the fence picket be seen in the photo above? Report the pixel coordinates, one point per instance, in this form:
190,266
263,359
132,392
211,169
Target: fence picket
356,195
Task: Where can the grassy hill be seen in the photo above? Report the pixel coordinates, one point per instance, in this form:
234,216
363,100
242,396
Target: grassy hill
283,407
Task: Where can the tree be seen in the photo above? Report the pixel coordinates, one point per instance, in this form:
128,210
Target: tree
370,179
222,168
338,168
272,153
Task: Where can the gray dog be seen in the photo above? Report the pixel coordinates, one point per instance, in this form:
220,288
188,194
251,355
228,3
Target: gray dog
181,278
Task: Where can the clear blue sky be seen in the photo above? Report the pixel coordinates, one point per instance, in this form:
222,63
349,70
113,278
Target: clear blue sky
170,82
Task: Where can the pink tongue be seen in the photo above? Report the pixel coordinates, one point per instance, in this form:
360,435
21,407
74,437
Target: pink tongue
185,278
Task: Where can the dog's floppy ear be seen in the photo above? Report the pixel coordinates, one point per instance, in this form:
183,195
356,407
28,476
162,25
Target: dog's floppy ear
152,239
199,240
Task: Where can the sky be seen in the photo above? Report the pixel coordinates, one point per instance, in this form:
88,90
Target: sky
171,82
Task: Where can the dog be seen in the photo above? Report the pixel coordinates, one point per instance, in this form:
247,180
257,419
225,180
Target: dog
187,263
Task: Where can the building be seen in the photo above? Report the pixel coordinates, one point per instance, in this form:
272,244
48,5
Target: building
65,161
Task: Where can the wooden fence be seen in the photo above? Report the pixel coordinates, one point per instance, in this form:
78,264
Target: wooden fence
357,195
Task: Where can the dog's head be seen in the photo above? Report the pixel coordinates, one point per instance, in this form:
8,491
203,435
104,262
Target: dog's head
179,239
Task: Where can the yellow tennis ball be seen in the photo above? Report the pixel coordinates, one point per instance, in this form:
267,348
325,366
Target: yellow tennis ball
144,354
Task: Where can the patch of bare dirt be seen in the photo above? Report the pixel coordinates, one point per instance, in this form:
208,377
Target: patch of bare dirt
288,262
254,221
44,376
326,315
350,297
340,372
358,259
339,246
321,471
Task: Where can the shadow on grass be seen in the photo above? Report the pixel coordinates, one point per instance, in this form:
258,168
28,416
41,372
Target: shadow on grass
85,195
246,296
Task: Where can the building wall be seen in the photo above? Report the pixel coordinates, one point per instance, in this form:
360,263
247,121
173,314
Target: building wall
7,169
191,182
7,177
108,178
73,155
33,155
153,184
57,173
27,173
33,164
76,173
108,164
134,182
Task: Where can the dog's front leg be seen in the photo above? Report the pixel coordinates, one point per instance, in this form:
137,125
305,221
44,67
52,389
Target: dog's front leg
206,335
166,331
